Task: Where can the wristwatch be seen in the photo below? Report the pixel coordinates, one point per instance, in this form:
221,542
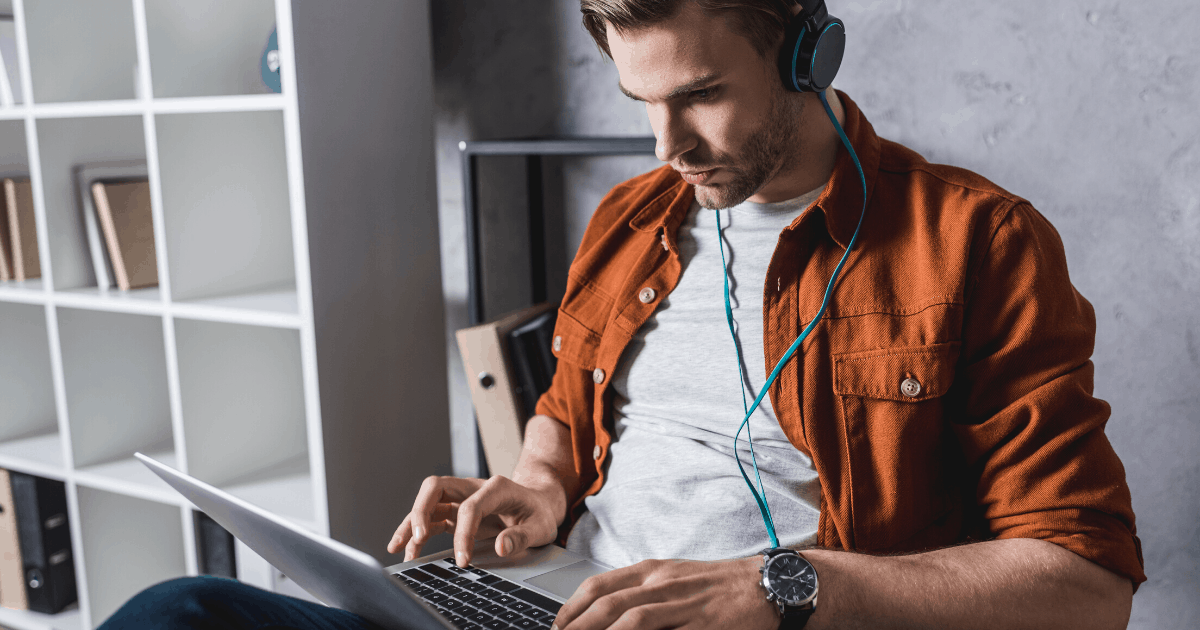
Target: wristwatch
791,584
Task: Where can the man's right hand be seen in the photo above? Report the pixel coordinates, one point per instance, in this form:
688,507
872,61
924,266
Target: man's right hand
518,516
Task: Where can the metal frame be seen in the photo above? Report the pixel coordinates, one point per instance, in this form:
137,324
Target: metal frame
533,150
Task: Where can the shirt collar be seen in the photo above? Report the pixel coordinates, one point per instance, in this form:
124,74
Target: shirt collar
670,198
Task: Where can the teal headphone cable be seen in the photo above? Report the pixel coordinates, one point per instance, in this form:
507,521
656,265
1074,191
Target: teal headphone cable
760,494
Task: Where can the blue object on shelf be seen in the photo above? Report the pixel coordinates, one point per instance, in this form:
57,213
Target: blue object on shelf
270,64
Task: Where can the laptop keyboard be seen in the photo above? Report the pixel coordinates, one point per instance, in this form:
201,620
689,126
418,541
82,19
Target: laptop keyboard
473,598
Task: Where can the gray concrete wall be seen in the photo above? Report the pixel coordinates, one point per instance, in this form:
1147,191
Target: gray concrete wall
1085,107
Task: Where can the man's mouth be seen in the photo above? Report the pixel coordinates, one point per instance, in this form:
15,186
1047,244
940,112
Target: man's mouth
697,178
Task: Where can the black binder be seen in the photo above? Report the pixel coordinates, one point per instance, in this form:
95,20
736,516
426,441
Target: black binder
533,363
214,547
45,539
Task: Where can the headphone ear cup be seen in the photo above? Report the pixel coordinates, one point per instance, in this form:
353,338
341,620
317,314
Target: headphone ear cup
809,59
827,54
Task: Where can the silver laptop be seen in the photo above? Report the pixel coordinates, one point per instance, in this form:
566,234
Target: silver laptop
522,591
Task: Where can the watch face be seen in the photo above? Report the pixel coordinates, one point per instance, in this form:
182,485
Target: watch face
791,579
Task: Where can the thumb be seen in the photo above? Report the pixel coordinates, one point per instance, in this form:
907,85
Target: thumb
512,540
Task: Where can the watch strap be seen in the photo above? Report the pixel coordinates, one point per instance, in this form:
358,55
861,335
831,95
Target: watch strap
795,618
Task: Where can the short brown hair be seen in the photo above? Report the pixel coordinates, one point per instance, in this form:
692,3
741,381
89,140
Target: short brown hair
762,22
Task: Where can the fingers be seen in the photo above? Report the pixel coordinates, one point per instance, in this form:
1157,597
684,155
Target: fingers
404,537
603,598
436,501
435,490
497,494
413,549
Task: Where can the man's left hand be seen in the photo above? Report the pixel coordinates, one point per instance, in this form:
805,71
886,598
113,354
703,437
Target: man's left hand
672,594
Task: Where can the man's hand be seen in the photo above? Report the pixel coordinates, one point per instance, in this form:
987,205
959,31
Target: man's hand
518,516
672,594
521,512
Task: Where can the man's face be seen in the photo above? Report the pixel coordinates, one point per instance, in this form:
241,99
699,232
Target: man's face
718,109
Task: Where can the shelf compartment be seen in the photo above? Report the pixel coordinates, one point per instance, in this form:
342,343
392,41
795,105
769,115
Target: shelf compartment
13,157
146,301
284,489
212,48
81,50
225,204
276,308
128,544
243,412
26,380
34,454
114,368
65,143
130,476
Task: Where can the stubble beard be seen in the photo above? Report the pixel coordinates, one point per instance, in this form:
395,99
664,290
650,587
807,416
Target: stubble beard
765,153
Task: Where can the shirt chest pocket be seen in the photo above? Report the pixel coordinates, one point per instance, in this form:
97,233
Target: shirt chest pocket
893,409
574,343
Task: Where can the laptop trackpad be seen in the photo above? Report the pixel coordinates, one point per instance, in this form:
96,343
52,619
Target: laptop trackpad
564,581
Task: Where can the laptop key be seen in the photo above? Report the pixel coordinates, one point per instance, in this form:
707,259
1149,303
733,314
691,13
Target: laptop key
494,609
529,623
491,578
452,591
491,593
437,571
504,599
496,624
510,616
473,586
417,574
541,601
462,581
520,606
505,586
436,598
458,607
539,614
480,602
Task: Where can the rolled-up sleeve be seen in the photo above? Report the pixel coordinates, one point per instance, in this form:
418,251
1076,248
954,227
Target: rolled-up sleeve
1031,425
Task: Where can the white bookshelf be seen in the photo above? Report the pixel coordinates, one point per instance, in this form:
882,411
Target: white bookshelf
292,352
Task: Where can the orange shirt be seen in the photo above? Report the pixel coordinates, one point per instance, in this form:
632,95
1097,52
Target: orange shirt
946,396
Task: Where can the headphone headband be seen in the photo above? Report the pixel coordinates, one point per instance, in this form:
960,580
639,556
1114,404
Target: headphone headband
809,9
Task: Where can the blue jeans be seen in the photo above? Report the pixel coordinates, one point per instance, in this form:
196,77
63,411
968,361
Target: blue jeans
214,603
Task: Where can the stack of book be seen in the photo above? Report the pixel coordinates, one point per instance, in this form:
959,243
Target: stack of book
18,231
120,227
509,366
37,571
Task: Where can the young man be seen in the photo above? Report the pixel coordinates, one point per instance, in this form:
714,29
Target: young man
932,451
944,399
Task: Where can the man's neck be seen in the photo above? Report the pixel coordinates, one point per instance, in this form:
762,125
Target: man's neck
813,167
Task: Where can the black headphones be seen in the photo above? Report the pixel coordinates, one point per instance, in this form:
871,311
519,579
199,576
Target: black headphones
812,48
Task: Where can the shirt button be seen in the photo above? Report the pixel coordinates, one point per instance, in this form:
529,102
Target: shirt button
910,387
596,453
557,343
646,295
598,376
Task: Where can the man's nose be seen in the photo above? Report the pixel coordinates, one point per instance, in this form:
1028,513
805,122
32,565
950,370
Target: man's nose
673,133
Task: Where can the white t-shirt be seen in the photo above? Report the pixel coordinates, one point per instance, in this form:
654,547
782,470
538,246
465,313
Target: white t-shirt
673,489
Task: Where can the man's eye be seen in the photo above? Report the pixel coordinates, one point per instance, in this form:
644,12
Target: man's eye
703,94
